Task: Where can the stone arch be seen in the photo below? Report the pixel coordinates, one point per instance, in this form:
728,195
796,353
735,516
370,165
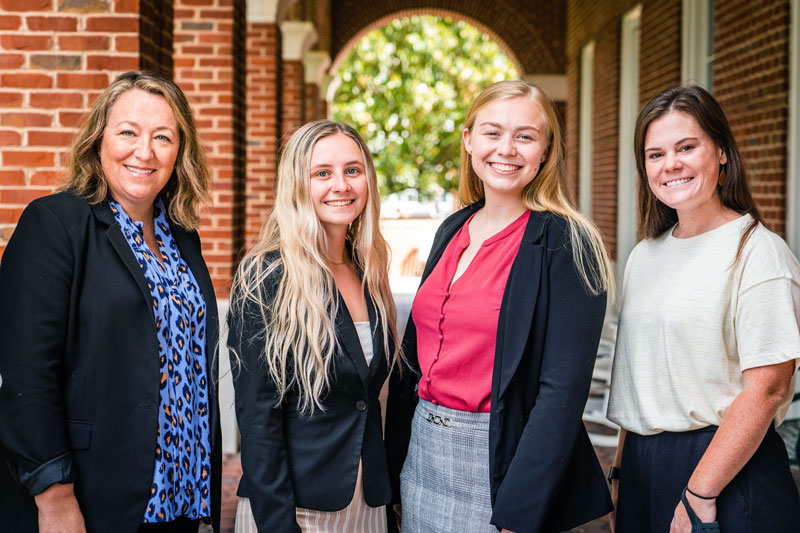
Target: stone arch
532,38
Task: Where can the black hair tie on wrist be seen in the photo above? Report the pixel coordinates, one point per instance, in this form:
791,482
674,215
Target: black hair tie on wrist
693,493
698,526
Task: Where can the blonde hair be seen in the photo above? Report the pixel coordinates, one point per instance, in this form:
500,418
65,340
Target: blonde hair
300,337
187,189
548,190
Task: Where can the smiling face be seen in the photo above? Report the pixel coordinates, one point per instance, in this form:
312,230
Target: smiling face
338,184
508,144
138,151
682,164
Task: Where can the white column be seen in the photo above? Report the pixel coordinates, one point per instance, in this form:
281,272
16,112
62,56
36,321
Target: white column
315,66
628,109
696,43
298,37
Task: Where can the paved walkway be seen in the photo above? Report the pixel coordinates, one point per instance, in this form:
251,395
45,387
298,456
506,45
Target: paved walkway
232,471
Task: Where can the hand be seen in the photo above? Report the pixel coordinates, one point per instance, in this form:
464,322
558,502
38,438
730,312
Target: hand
59,511
706,511
506,531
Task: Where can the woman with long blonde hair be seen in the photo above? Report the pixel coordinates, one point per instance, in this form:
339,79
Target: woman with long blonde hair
312,327
486,431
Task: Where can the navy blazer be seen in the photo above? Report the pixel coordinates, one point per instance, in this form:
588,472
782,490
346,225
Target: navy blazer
292,459
544,473
80,366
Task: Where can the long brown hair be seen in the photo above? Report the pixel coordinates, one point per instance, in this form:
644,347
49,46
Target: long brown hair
187,190
654,216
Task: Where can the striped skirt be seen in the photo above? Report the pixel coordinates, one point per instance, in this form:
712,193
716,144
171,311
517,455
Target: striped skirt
357,517
444,484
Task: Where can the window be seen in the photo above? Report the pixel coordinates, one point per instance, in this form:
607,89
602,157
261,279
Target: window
793,179
628,109
585,130
697,43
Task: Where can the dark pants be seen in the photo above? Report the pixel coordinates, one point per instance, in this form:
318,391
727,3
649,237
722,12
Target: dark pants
179,525
656,468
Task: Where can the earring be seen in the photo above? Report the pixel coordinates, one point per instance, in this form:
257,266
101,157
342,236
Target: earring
721,179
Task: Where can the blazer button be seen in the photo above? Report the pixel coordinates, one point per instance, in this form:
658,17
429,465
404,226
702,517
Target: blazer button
361,405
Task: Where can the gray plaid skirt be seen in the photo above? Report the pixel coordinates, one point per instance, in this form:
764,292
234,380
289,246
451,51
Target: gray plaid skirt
445,480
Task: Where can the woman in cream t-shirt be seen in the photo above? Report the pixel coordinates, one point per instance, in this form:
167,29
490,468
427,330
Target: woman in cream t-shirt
708,338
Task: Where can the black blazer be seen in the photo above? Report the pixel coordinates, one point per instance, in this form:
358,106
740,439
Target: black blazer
292,459
80,367
544,473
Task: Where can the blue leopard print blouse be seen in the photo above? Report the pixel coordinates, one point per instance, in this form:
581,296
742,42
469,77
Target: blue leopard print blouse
181,477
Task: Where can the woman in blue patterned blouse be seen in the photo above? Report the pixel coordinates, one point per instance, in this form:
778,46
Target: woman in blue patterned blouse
108,330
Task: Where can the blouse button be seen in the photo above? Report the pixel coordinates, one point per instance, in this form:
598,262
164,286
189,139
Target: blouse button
428,380
441,337
434,402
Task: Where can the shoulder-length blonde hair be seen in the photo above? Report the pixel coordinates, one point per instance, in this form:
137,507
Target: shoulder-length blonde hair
187,189
548,190
300,337
655,217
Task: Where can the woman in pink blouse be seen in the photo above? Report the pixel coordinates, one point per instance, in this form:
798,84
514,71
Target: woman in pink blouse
485,431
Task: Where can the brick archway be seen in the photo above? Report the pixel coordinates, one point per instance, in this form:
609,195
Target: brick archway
534,39
340,56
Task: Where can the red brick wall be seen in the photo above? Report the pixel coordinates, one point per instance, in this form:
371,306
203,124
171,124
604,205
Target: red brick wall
293,97
239,127
750,81
534,33
605,133
263,123
660,50
207,51
56,56
313,105
155,35
571,125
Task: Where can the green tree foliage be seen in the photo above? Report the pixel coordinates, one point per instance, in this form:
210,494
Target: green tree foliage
407,87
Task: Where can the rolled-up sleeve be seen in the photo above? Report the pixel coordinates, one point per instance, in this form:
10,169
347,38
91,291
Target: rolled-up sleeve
36,278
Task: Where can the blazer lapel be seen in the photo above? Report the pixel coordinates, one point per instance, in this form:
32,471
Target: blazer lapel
348,340
103,213
517,307
377,337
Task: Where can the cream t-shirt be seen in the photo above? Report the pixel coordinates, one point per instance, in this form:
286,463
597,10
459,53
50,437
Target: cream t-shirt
692,321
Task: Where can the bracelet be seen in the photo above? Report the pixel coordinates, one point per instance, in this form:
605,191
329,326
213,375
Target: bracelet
693,493
613,473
